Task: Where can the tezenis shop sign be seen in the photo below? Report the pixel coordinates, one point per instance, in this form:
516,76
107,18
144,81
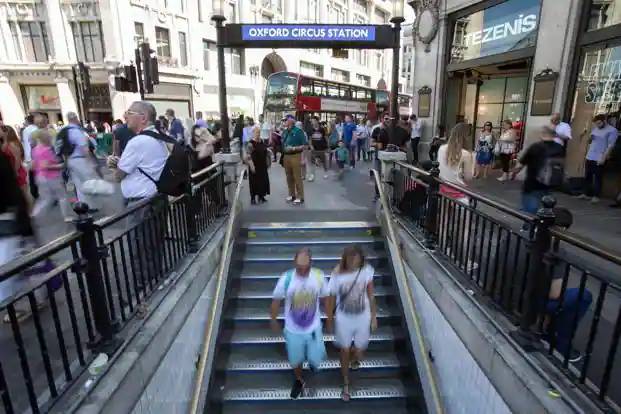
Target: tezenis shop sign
508,26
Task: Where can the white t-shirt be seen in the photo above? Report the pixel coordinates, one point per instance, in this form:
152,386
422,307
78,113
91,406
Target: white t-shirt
302,313
416,128
147,153
563,130
27,141
351,299
266,130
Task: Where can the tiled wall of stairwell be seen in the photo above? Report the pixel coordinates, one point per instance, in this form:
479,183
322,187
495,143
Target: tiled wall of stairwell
464,387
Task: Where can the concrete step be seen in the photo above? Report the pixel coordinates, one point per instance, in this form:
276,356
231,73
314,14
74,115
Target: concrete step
310,230
245,313
336,244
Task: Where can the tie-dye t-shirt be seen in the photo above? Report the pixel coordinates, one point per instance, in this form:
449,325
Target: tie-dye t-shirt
302,313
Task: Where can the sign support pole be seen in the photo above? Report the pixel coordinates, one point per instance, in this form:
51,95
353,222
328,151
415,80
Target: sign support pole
394,88
224,116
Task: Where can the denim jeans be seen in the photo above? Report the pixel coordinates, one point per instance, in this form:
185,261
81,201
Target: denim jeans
532,200
593,175
563,319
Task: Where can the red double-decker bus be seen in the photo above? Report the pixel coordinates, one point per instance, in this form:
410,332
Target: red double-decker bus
289,92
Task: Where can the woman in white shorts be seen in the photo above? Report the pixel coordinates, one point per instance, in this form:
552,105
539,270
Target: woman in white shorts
351,290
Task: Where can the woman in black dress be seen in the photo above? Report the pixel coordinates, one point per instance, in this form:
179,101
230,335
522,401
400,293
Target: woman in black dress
258,159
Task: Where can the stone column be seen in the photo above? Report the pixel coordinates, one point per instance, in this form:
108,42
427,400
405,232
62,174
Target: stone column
11,109
68,102
232,168
60,39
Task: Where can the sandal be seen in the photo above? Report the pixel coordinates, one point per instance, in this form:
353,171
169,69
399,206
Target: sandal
345,396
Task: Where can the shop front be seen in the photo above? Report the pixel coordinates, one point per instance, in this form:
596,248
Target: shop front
597,86
489,66
43,99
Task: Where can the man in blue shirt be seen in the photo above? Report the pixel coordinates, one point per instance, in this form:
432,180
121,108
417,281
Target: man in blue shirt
175,128
80,162
601,143
348,135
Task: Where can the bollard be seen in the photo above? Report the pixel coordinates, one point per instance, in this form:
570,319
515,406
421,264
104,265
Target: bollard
431,215
537,279
91,256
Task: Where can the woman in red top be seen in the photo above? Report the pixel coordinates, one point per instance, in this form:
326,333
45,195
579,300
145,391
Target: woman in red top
12,148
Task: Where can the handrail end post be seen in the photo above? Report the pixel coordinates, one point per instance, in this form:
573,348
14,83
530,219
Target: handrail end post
431,218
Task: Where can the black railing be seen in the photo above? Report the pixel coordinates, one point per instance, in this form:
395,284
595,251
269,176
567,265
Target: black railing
68,301
560,291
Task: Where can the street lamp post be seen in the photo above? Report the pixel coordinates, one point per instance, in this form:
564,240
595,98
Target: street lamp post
218,18
396,20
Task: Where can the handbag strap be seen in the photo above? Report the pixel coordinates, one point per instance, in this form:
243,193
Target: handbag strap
351,287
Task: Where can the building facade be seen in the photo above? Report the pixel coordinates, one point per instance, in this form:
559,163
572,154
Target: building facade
40,41
479,61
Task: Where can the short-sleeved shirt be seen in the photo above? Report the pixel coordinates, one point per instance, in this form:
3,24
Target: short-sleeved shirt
348,132
44,154
293,137
176,129
79,139
563,130
123,134
350,290
601,140
380,134
266,130
27,141
534,158
302,313
401,137
318,138
148,154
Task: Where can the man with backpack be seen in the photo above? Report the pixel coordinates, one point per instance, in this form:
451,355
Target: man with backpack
152,165
544,162
302,288
73,145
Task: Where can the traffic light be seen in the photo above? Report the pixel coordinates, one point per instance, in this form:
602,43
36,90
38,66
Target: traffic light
132,80
149,67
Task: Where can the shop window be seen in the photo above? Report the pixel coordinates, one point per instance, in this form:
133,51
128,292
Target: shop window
183,49
598,89
162,40
516,89
34,46
604,14
500,99
88,38
510,25
492,90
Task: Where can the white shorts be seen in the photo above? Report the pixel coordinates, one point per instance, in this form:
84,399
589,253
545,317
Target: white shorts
352,328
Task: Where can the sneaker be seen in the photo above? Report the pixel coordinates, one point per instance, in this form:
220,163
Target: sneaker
574,356
326,176
594,200
582,197
296,390
502,178
311,178
289,199
297,201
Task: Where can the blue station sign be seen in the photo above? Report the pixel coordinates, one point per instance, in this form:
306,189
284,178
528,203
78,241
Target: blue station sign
324,33
345,36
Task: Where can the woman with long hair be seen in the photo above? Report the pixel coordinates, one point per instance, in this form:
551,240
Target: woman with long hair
13,149
258,159
352,304
505,147
484,150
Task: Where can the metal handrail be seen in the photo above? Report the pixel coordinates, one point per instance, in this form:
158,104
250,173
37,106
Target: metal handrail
209,336
485,200
585,244
205,170
411,304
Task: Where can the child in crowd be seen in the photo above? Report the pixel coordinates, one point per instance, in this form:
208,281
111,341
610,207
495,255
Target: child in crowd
342,157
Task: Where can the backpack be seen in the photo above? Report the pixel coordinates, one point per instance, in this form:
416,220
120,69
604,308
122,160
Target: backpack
62,145
552,174
175,177
314,272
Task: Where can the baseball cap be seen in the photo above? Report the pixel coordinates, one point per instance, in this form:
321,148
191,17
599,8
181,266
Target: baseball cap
289,116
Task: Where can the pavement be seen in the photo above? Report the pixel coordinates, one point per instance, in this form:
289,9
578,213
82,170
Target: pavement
596,222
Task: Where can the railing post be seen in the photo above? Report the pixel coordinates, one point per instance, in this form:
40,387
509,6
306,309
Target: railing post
431,215
537,279
192,206
91,257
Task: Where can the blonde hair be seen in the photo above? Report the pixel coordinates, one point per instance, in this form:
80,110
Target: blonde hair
42,136
459,134
256,132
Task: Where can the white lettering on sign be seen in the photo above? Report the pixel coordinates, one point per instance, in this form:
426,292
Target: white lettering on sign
523,24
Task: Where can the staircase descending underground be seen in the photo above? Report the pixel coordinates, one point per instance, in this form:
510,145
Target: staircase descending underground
252,374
